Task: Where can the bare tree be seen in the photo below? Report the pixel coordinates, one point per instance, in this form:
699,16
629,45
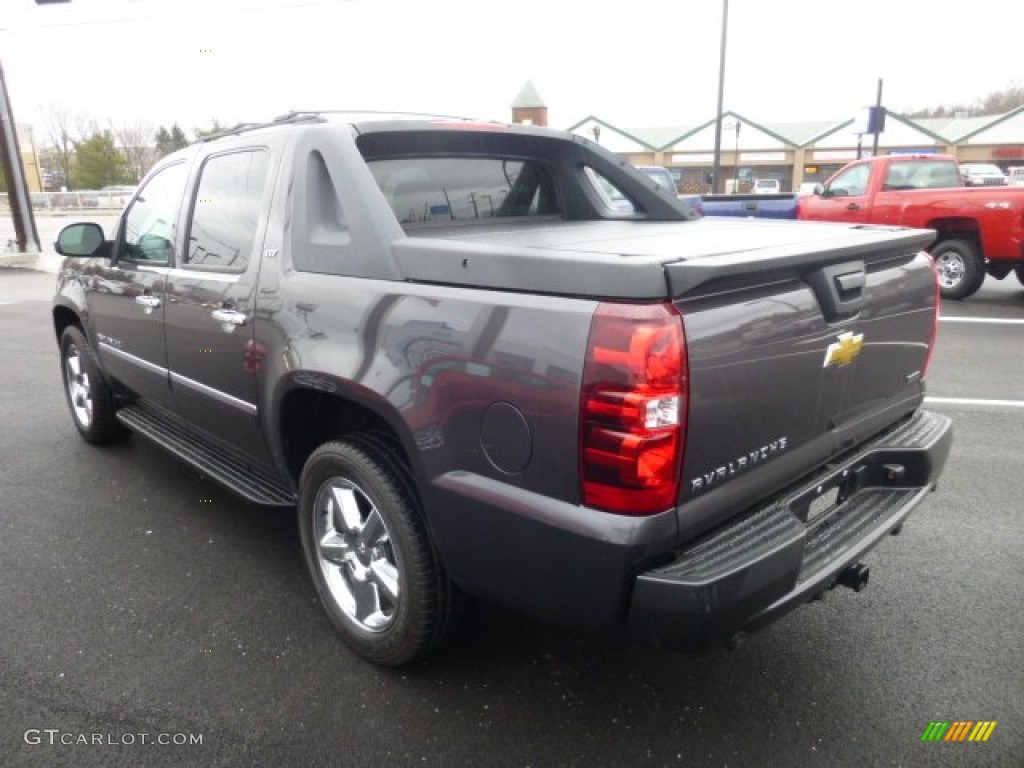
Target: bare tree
1002,101
61,130
994,103
135,140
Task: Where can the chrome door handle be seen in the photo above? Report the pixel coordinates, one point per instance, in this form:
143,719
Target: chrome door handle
148,301
229,317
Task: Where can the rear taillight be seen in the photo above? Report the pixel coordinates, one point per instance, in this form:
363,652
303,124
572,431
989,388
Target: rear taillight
633,409
935,317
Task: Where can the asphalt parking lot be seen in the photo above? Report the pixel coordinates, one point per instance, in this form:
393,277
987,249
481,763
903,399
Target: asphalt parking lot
141,602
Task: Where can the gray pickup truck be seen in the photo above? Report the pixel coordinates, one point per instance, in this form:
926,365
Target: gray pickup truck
474,375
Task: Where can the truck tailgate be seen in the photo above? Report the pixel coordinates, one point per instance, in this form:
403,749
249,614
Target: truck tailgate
796,354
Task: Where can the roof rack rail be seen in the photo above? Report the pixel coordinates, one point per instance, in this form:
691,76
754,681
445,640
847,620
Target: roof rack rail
382,112
316,115
291,117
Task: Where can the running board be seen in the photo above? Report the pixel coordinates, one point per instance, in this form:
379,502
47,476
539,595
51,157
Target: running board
166,430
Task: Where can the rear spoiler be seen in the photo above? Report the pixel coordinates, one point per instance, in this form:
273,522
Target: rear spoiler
878,243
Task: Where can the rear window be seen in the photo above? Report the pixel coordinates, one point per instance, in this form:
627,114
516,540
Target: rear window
439,190
921,174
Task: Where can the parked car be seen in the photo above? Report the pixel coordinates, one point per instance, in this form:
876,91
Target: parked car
979,231
767,187
1015,176
982,175
471,374
662,176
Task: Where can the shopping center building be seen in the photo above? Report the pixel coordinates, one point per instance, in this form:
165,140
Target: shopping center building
793,153
796,153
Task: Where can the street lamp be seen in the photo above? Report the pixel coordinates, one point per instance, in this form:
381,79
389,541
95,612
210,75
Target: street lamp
735,156
735,161
716,165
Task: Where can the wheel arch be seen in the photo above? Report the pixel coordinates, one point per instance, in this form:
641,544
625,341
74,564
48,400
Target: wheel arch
959,227
309,416
63,317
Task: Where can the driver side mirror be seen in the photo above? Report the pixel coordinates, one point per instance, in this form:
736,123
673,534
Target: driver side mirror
83,240
819,189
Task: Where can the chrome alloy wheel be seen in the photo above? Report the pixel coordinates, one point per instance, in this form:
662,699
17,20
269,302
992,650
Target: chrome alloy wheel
79,388
951,269
354,554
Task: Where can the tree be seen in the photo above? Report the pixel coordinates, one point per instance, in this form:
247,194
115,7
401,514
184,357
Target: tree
99,163
995,103
133,140
215,127
1003,101
168,141
58,122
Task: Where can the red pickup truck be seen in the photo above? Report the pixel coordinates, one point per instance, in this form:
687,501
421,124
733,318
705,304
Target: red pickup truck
979,229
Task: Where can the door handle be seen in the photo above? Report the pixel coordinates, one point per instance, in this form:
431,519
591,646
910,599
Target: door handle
149,301
229,317
852,207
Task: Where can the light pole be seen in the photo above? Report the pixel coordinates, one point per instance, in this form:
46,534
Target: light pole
716,165
736,159
13,170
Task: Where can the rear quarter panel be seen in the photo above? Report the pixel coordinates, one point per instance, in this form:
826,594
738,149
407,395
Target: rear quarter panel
995,216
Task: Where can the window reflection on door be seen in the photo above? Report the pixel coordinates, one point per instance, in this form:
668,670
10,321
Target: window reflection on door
226,212
150,221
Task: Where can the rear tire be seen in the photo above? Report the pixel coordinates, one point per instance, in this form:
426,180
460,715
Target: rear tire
89,397
369,554
961,268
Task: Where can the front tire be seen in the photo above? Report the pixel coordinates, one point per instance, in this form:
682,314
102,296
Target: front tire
89,397
961,268
367,549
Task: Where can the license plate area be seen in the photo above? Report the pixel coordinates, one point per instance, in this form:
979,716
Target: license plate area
817,503
821,504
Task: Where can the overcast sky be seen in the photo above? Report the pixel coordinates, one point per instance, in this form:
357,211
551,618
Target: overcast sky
640,63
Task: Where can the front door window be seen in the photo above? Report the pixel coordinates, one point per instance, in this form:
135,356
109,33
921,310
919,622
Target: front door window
150,221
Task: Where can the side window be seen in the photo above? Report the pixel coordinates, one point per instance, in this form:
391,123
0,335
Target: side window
610,195
935,175
851,183
898,176
226,212
150,219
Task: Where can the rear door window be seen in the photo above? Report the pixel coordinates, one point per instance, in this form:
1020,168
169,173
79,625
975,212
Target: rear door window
226,212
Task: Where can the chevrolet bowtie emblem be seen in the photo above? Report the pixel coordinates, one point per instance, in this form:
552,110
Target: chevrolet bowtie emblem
844,349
